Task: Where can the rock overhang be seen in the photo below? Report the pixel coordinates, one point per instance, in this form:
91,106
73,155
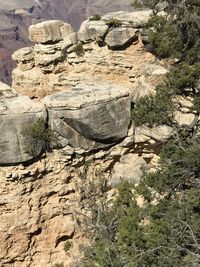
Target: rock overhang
85,95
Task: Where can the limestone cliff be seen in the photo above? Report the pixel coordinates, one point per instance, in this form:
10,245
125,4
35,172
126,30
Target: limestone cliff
83,85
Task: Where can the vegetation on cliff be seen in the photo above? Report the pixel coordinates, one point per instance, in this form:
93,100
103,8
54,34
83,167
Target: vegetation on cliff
165,230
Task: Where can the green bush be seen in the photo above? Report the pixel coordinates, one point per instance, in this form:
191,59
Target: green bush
58,265
38,137
182,77
95,17
79,50
67,246
154,109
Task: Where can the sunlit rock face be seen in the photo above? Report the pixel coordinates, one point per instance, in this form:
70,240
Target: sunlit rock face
17,15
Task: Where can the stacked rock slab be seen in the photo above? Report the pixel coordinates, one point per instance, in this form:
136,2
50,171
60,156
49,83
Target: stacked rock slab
55,49
90,115
116,29
85,117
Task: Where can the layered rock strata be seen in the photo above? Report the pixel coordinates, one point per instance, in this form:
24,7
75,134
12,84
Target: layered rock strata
61,58
85,96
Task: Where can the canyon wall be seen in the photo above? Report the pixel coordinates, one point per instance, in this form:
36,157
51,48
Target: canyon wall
84,86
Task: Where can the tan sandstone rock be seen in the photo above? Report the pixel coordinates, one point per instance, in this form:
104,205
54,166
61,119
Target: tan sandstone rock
49,31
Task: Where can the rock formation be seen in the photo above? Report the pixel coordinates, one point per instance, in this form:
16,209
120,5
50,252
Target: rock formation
83,88
17,15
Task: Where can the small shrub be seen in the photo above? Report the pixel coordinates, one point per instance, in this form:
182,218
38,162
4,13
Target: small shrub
79,50
95,17
39,137
58,265
154,109
113,22
67,246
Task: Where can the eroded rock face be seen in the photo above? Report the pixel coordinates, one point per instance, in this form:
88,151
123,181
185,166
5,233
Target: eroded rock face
15,114
120,37
131,24
158,133
92,30
24,54
49,31
129,168
99,113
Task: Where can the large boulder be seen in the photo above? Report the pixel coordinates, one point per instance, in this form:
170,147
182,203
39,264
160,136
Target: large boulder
15,114
92,30
137,19
121,36
49,31
90,115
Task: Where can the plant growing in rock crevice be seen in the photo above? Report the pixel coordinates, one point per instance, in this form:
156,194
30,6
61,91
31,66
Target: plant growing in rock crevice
38,136
79,50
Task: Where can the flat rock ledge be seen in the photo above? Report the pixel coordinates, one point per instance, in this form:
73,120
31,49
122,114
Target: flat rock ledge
84,117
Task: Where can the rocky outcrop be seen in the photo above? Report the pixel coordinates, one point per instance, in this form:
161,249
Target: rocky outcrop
92,31
158,133
115,29
82,117
120,37
84,95
16,113
16,16
130,168
81,110
86,114
49,31
87,56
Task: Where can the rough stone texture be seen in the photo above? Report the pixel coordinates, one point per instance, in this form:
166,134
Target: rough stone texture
29,79
151,75
185,119
122,68
70,40
24,54
138,19
92,30
97,112
6,91
47,59
15,114
129,168
121,36
49,31
158,133
41,202
44,49
36,215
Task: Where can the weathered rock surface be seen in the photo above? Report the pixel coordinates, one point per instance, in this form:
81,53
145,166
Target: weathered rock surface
15,114
24,54
49,31
131,25
92,30
129,168
157,133
145,85
138,19
120,37
98,112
